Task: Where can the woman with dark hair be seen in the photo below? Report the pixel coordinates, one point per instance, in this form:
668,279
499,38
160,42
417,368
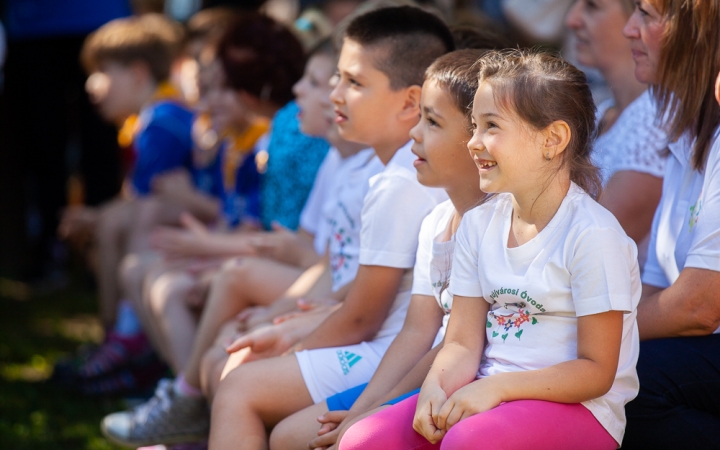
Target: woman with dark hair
676,49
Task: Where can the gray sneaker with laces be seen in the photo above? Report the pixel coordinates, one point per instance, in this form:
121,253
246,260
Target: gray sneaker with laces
167,418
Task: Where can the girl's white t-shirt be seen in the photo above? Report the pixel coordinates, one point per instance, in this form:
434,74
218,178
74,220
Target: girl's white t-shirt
635,142
433,263
392,213
686,227
581,263
342,214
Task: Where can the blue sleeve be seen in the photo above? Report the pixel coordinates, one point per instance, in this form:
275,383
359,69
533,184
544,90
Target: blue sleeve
164,144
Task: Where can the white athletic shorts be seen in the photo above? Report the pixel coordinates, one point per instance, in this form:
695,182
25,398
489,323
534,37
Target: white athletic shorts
328,371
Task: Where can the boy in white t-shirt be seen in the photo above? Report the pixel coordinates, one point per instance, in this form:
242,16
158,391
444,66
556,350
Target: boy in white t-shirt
384,56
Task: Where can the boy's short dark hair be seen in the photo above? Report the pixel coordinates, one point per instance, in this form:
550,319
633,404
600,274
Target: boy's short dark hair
209,22
409,40
151,38
262,58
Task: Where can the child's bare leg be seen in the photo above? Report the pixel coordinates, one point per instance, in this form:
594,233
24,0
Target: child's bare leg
113,224
253,397
214,360
134,269
241,283
294,432
171,316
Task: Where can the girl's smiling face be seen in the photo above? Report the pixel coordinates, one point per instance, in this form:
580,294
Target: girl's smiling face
440,140
313,95
645,30
508,153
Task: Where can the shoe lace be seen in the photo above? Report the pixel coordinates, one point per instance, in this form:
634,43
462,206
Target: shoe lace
148,412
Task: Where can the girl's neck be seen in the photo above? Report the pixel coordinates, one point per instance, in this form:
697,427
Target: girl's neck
533,210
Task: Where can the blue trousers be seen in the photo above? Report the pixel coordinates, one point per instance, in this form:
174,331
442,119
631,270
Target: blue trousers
678,406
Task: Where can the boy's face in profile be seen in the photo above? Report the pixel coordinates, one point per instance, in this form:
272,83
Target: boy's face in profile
364,102
111,89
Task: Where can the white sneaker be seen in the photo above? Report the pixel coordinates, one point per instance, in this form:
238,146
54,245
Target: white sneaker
167,418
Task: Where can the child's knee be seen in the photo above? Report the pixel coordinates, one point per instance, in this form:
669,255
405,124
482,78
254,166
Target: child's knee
232,272
284,435
132,271
168,288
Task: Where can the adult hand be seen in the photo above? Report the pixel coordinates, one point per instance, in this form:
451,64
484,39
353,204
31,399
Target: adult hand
430,401
477,397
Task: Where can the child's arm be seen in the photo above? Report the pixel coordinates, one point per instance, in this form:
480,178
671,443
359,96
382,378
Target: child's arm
455,366
195,240
286,246
423,319
177,187
363,311
589,376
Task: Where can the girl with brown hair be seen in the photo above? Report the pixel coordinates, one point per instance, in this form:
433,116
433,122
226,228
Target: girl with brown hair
541,346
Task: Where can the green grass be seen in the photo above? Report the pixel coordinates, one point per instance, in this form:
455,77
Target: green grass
35,330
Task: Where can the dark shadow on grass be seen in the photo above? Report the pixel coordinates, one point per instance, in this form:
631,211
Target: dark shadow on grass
34,333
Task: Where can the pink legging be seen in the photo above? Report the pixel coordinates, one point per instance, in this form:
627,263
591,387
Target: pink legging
518,425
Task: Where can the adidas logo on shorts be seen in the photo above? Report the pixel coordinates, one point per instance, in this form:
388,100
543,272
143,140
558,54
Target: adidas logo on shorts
347,360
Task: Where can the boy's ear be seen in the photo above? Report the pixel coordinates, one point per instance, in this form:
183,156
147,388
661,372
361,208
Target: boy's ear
556,138
411,105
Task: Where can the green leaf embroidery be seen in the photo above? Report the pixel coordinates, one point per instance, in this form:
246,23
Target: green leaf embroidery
504,336
534,321
488,324
495,333
518,334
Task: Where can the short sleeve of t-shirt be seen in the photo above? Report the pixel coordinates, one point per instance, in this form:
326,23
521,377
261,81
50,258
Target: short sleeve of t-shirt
163,144
463,278
312,211
601,272
704,252
422,284
392,214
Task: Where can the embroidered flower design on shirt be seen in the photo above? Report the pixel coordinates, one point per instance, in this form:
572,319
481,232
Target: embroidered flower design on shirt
507,319
340,259
695,212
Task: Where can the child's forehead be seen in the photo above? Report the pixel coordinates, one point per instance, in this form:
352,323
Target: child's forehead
365,59
113,66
